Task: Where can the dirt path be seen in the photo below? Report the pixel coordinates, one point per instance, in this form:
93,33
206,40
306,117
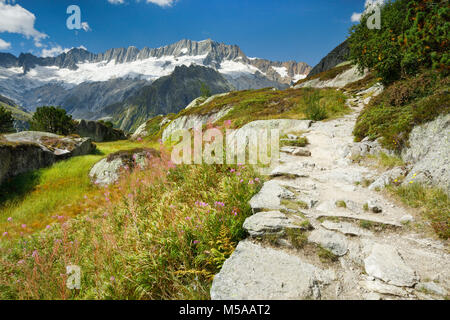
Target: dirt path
374,254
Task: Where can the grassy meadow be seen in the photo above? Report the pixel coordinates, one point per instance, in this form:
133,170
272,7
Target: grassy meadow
33,200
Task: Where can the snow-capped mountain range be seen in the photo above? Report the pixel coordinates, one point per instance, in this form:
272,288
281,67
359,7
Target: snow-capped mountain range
70,78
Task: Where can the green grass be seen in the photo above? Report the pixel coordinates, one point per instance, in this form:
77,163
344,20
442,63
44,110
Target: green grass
299,142
266,104
298,238
326,256
403,105
386,161
34,197
433,203
341,204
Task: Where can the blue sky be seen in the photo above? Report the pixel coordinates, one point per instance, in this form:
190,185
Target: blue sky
301,30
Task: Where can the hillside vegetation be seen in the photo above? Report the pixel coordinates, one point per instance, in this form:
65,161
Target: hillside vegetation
161,233
410,55
403,105
414,34
265,104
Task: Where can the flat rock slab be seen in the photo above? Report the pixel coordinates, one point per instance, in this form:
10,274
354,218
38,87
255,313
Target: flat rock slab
383,288
296,151
268,223
385,263
345,228
254,272
431,287
293,169
333,241
269,197
365,217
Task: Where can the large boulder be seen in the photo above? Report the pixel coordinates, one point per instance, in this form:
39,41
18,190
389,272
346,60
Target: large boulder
109,169
30,150
254,272
98,131
193,120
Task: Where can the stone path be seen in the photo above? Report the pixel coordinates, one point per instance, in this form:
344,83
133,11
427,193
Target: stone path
318,233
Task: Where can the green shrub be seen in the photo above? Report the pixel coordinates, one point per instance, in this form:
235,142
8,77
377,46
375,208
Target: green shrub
413,34
52,119
404,104
314,110
6,121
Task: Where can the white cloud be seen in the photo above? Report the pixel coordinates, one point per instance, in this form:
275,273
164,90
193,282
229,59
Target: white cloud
57,50
16,19
116,1
4,45
53,52
356,17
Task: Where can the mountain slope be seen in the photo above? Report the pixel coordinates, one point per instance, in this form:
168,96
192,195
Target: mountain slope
336,56
85,83
21,117
168,94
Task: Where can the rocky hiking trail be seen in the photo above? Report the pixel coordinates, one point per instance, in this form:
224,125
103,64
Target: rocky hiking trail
318,233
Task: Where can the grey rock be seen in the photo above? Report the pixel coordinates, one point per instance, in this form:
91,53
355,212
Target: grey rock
374,206
301,152
193,121
300,169
98,131
333,241
431,287
241,136
268,223
387,178
383,288
406,219
296,151
257,273
340,81
336,56
372,296
385,263
108,170
429,153
269,197
345,228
